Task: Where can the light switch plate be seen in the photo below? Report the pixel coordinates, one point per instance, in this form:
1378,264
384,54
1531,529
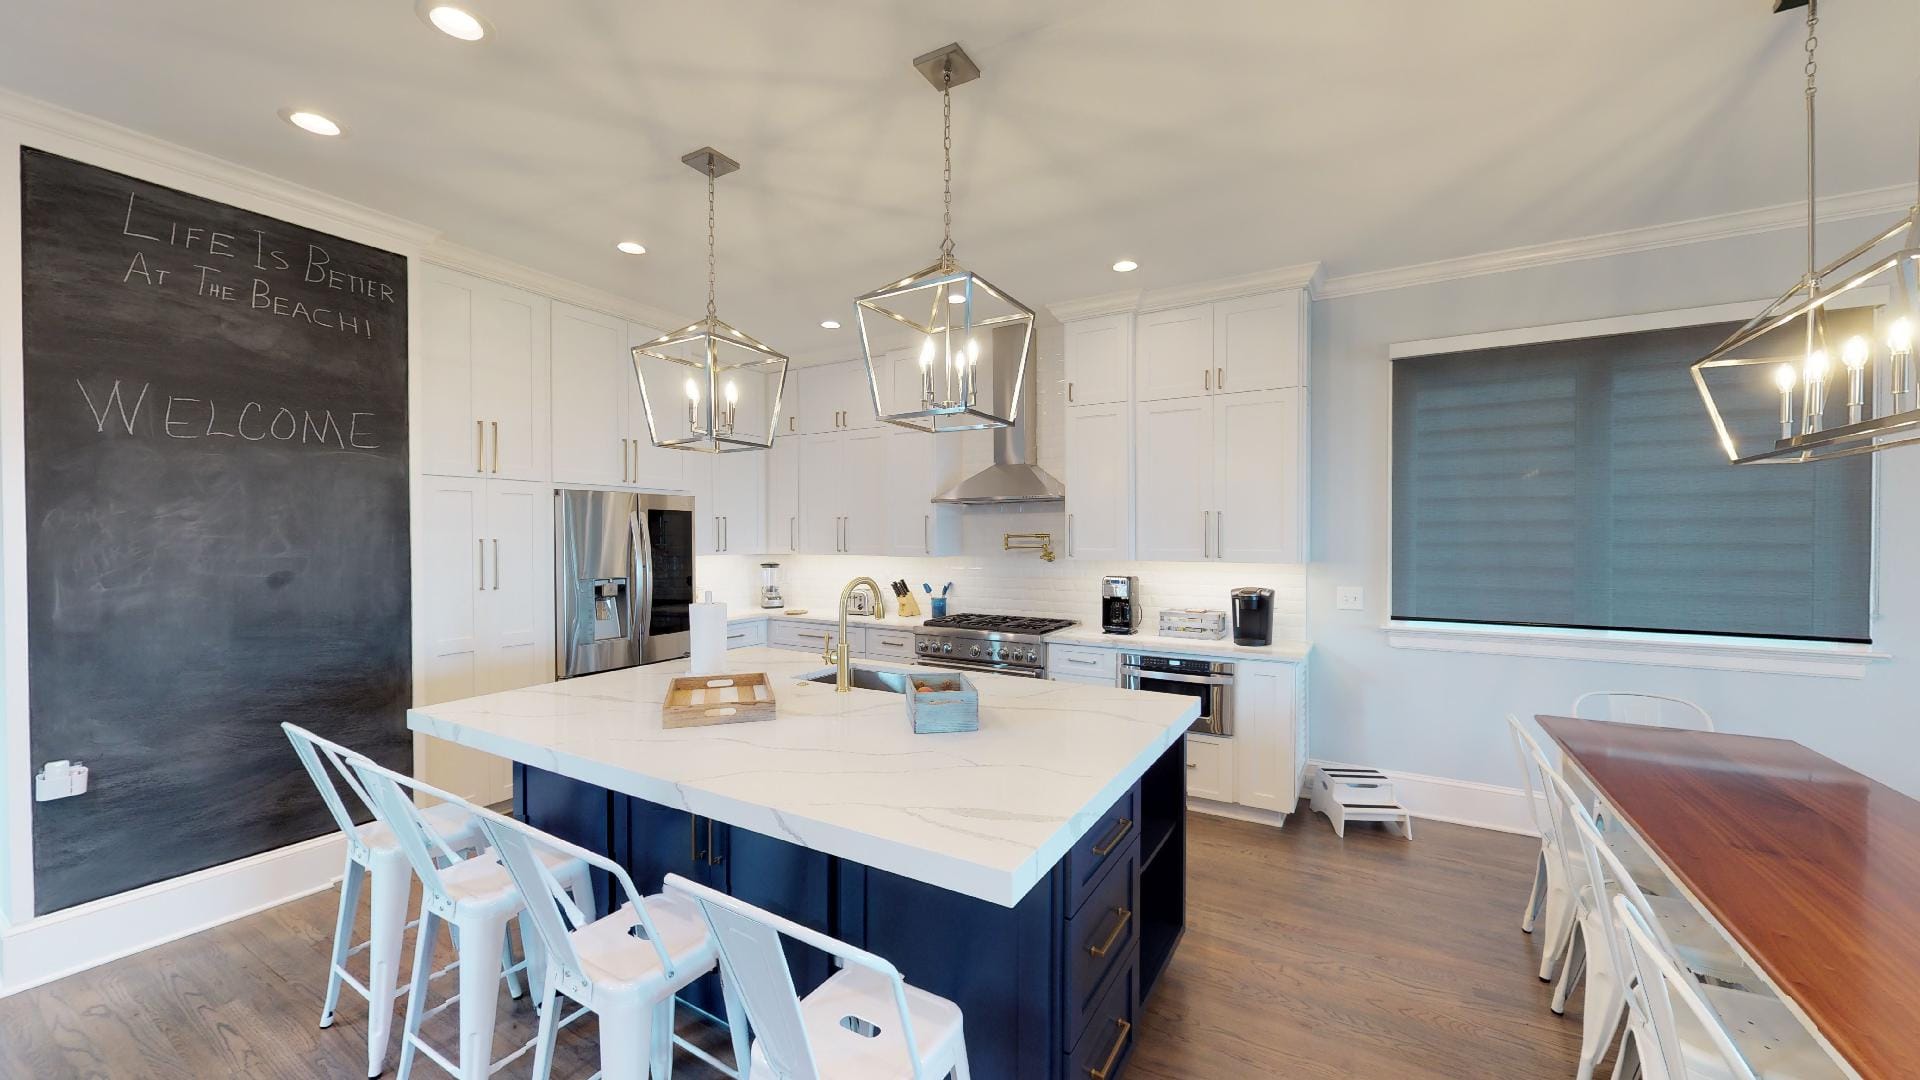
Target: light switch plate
1350,598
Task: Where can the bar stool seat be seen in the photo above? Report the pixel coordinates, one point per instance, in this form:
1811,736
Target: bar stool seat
1699,947
615,959
874,1047
1765,1032
448,821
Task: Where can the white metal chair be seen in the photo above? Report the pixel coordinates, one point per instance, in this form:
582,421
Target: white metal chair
1679,1029
1549,890
625,968
863,1022
372,849
1598,874
477,900
1635,707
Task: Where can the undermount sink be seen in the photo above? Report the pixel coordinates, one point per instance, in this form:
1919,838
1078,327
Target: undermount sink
864,678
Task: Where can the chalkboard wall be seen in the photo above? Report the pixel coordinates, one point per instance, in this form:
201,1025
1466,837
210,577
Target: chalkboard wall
216,467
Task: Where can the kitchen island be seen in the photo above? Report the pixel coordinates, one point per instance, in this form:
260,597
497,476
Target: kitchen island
1032,871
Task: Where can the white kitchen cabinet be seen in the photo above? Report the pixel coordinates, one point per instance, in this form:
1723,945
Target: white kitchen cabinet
1260,476
1260,343
831,397
813,636
1099,482
864,495
655,467
591,377
1267,763
729,501
1099,360
485,379
1173,466
782,525
743,634
1210,768
821,492
483,608
916,467
1173,354
886,643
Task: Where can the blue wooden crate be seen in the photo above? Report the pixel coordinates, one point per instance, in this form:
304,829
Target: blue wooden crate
942,703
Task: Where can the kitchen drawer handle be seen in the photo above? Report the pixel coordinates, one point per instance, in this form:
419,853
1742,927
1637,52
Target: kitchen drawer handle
1120,927
1119,833
1080,660
1193,764
1113,1055
713,859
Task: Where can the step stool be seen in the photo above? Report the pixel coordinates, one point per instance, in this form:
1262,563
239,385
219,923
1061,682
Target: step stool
1345,795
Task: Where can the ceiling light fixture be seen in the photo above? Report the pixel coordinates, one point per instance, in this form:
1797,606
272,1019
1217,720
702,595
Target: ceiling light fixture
1881,407
1125,266
949,340
830,324
452,20
717,367
632,247
311,122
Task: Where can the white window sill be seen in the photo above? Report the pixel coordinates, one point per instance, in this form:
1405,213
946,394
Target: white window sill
1766,655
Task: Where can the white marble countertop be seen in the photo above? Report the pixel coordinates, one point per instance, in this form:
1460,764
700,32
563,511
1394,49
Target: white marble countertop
986,813
1082,634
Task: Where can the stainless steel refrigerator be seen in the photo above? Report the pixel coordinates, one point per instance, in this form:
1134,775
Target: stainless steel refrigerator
624,561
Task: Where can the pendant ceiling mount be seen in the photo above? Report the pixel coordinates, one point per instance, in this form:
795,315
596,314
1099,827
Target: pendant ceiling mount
1828,323
935,337
731,382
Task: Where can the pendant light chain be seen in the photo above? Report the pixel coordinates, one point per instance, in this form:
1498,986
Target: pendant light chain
711,309
946,147
1813,71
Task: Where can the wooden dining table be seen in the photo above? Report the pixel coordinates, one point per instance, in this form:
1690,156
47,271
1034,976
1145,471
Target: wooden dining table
1811,869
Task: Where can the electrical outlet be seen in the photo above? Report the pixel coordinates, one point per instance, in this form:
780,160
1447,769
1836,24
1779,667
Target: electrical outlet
1349,598
60,780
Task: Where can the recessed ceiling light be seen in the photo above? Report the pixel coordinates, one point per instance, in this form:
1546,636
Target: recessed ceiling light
311,122
632,247
829,324
1126,266
956,298
456,22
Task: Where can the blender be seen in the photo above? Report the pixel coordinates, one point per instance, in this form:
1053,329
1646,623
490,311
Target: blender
770,585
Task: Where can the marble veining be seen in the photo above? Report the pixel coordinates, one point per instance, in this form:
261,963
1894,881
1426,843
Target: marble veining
986,813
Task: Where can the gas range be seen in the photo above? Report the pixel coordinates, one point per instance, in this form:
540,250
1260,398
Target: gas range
1000,644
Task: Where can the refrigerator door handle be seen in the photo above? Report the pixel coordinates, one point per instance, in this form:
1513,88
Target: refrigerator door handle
641,595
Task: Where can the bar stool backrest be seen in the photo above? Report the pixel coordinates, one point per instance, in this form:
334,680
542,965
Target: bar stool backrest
1635,707
1663,994
388,792
1527,749
325,760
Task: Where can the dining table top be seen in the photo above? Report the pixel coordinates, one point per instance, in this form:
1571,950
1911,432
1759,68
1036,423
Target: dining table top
1811,868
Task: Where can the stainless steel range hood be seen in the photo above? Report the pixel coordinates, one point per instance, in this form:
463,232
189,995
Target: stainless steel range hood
1012,478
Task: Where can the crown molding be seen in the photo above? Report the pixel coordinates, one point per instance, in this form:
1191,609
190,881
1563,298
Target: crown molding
1305,276
1887,200
507,272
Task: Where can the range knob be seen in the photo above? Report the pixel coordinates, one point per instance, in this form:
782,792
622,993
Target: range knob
973,650
1032,656
922,646
947,648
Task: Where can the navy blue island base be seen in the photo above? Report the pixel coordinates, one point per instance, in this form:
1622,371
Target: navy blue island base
1050,988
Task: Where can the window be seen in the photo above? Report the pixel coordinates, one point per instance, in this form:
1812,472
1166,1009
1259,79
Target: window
1578,484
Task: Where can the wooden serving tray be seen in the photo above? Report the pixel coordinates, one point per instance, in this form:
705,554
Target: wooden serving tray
700,700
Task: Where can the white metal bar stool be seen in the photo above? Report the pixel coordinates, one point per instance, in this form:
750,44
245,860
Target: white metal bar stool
476,900
1549,897
1681,1030
625,968
372,850
863,1022
1637,707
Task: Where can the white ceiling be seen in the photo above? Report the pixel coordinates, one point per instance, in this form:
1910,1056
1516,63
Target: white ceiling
1204,138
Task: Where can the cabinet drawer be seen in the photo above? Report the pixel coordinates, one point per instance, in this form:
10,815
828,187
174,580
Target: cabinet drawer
1103,843
1210,768
1101,938
741,635
811,636
889,644
1078,660
1103,1048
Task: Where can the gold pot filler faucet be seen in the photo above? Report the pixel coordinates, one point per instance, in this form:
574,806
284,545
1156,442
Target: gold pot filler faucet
835,651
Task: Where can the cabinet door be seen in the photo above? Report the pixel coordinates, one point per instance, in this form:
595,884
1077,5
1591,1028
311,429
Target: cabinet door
1266,774
906,492
1099,360
654,466
904,380
450,559
447,440
591,371
520,584
816,406
512,381
1083,680
863,505
1173,354
706,505
1098,491
1210,766
782,525
821,488
857,390
739,496
1259,342
1173,463
1259,459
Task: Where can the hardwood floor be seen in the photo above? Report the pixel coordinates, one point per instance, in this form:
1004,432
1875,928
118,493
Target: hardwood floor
1305,956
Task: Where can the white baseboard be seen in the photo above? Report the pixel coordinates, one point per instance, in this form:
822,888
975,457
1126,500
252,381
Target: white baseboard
38,951
1237,812
1457,802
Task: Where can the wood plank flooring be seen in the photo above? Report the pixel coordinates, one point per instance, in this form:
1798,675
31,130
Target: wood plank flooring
1305,956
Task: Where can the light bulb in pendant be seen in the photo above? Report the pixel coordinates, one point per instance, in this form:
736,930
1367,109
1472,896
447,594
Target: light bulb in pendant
1785,378
733,393
693,391
926,354
1900,337
1854,354
1816,365
973,351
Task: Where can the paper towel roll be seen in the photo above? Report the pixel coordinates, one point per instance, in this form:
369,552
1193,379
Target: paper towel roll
708,629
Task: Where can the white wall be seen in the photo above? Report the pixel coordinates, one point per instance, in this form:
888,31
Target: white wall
1442,713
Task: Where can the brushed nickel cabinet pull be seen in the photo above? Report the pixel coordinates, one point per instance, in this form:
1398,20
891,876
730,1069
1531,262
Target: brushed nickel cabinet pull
926,533
793,533
479,446
1193,764
1069,536
496,446
480,565
1206,530
1113,1055
496,564
714,858
1219,534
625,461
1206,379
1119,928
1220,378
1113,839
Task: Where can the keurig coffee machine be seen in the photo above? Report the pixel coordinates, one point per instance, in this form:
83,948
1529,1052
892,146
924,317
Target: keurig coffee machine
1253,616
1119,604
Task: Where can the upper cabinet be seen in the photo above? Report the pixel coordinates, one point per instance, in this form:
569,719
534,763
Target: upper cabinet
484,377
917,467
656,467
831,397
591,373
1099,491
1248,343
1099,360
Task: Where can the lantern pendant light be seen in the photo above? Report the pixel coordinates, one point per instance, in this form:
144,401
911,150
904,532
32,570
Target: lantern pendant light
1844,330
935,338
730,383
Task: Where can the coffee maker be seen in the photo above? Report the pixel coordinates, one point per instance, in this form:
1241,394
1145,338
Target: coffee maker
1119,604
1253,616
